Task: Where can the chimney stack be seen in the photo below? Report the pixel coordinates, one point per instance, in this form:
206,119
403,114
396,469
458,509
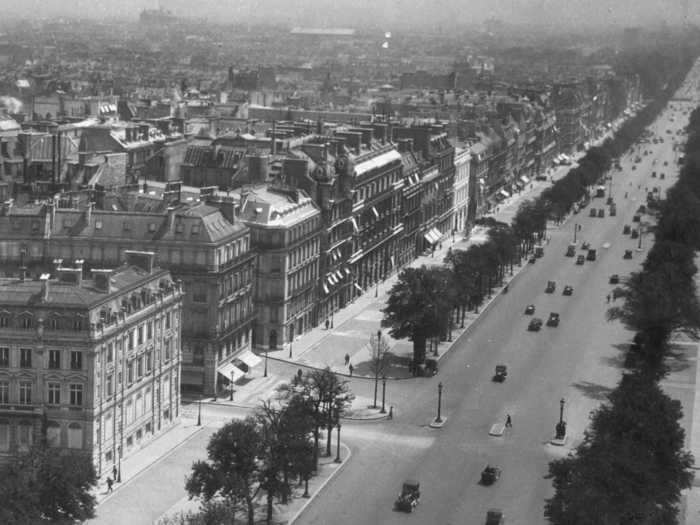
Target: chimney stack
44,286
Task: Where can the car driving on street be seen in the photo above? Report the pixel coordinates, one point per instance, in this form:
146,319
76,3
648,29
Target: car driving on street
530,309
553,319
568,290
535,325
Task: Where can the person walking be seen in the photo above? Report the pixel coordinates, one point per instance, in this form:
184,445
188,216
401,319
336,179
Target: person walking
110,482
114,472
347,359
509,421
327,324
351,369
608,297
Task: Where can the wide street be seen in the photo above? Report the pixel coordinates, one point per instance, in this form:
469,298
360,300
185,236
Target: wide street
578,361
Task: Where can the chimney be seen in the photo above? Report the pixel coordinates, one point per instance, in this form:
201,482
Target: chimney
44,286
143,260
103,280
171,218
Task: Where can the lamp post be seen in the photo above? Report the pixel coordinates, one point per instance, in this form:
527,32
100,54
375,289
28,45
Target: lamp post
119,468
265,371
639,245
377,364
383,410
561,426
438,419
575,230
199,412
331,317
337,445
231,396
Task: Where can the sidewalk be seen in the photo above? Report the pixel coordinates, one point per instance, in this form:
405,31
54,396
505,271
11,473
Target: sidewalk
150,452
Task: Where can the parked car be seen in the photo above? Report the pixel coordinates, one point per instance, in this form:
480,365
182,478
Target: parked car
601,213
571,250
580,259
532,260
535,324
530,309
626,230
636,218
409,496
551,286
614,279
500,374
568,290
593,212
591,255
585,245
627,255
553,319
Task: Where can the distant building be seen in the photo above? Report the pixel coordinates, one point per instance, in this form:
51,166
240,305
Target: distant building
95,364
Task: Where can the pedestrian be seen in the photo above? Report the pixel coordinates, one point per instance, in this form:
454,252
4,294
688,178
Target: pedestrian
114,472
509,421
351,368
109,484
300,374
347,359
608,297
327,324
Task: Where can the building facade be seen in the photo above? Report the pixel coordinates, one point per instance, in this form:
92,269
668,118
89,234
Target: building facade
96,362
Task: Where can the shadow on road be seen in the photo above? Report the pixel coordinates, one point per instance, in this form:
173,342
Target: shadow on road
618,361
677,359
394,366
593,390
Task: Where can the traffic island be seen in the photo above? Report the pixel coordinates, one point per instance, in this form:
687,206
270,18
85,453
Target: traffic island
438,423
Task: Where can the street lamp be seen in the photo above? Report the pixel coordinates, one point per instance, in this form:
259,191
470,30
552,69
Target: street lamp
199,412
377,364
561,426
438,419
383,410
639,245
575,230
231,396
119,468
265,372
337,454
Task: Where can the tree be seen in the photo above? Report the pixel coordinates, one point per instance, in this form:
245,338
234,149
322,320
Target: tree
630,467
380,348
47,486
231,472
418,307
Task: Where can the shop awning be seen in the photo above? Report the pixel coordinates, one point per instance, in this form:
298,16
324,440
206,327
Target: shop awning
376,213
339,275
325,288
359,287
354,224
229,370
249,358
433,235
524,179
504,193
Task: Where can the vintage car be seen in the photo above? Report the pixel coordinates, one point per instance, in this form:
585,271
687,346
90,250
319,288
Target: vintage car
601,213
532,260
626,230
585,245
409,496
634,234
500,374
614,279
490,475
627,255
495,517
568,290
571,250
580,259
636,218
593,212
530,309
535,324
553,319
551,286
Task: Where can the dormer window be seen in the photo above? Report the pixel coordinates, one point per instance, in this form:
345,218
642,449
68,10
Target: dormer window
179,227
98,225
35,226
127,226
195,229
152,227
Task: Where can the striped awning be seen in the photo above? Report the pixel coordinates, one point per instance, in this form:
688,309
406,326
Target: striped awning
230,371
433,235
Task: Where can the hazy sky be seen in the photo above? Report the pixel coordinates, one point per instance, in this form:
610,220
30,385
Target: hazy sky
387,12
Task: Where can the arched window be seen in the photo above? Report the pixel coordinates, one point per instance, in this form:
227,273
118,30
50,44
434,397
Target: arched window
75,435
53,434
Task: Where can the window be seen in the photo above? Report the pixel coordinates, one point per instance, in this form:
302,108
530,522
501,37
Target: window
25,393
110,352
54,323
4,321
4,435
24,435
139,367
130,372
140,335
149,330
25,357
130,345
53,434
195,229
4,393
54,359
76,360
76,395
109,385
75,435
167,320
127,226
4,357
26,322
167,349
54,394
98,225
77,325
149,361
